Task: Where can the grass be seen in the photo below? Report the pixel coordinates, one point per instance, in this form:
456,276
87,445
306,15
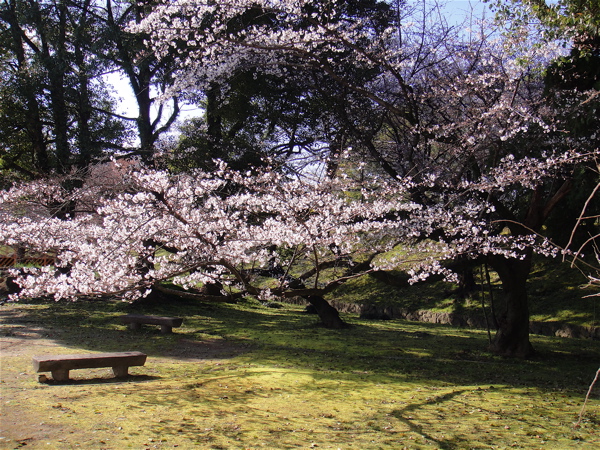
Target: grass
246,376
557,293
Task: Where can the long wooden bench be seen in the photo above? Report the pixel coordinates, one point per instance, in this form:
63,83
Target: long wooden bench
135,322
60,365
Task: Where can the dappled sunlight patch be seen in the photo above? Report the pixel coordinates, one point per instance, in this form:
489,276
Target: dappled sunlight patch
241,376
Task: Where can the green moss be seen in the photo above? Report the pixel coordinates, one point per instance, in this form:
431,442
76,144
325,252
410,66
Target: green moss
245,376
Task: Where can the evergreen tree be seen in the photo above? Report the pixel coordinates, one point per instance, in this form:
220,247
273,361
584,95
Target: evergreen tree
53,93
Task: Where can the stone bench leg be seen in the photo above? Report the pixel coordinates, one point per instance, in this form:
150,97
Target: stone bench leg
135,326
166,329
120,371
60,374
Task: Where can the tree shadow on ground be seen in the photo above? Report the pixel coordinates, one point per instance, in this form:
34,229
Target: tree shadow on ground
405,417
390,350
102,380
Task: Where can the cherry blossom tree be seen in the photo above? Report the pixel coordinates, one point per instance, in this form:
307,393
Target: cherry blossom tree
470,161
447,105
150,227
443,106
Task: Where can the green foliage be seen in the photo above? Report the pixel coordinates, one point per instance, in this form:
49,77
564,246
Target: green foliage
257,120
288,117
55,108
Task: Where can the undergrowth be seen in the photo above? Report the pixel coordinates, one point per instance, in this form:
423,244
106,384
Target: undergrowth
557,293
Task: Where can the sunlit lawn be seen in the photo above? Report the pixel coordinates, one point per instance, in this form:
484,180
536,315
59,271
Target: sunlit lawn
246,376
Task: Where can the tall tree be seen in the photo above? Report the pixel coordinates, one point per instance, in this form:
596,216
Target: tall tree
53,87
148,76
61,104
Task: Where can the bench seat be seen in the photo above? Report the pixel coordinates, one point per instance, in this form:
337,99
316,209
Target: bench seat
135,322
60,365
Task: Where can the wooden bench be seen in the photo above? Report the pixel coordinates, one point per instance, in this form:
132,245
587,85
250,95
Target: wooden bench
60,365
135,322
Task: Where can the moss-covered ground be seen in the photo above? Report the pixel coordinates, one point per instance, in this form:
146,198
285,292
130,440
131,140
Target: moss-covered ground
557,293
245,376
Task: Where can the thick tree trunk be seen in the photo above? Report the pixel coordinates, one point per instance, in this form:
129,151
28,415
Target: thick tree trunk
144,120
87,149
330,317
28,89
55,62
512,337
213,289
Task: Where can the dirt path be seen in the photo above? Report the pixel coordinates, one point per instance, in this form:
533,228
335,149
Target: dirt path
18,343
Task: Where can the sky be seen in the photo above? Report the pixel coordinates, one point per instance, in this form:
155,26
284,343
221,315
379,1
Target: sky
459,8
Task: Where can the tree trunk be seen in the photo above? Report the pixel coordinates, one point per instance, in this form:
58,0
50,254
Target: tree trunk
213,289
330,317
512,337
54,59
466,283
84,111
144,120
28,89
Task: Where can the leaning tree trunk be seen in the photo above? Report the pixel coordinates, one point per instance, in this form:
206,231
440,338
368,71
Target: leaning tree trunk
330,317
512,337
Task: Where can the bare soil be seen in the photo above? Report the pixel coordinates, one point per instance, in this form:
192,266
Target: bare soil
17,346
